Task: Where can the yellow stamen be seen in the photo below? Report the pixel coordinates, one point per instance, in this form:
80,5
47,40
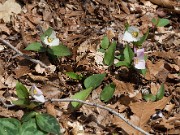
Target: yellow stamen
34,91
49,39
136,60
134,34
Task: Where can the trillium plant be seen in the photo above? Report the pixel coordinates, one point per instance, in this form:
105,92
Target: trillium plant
28,98
50,43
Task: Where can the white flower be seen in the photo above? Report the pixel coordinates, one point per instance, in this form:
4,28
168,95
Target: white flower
131,34
37,94
139,61
51,40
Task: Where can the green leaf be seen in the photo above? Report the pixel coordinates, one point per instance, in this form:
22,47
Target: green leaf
101,50
107,92
122,63
36,46
109,54
142,71
21,91
128,54
162,22
28,116
74,75
30,128
59,50
126,26
48,123
48,32
160,93
21,102
149,97
142,39
9,126
94,80
105,42
154,21
82,95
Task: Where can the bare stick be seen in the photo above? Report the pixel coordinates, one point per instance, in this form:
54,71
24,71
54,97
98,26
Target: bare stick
102,107
23,55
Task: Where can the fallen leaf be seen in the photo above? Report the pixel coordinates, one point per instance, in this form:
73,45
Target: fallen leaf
50,109
145,109
8,8
39,69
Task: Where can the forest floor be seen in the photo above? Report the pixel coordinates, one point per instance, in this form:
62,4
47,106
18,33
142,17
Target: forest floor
80,25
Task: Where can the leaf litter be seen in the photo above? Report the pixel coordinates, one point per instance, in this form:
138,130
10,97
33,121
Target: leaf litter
81,25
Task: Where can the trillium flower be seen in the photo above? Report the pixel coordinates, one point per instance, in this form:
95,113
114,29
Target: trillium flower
51,40
131,34
37,94
139,61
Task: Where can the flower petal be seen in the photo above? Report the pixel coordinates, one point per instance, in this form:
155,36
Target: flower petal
39,98
45,41
55,42
128,37
139,64
133,29
35,91
140,53
53,35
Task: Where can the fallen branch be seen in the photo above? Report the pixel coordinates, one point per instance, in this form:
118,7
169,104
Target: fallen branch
90,104
102,107
23,55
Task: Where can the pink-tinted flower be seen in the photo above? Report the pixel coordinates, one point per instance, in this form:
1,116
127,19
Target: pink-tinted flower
37,94
139,61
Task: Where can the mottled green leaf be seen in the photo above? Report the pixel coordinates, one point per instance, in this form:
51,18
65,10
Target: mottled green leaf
48,123
30,128
9,126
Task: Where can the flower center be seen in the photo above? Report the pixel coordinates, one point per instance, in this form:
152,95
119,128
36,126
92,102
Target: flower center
34,91
134,34
136,60
50,39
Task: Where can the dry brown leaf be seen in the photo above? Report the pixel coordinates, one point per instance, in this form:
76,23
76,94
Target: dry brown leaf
156,70
50,109
154,88
169,107
122,87
127,128
39,69
145,109
8,8
10,81
21,71
4,28
37,77
77,128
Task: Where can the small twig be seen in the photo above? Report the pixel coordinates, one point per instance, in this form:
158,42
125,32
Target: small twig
23,55
102,107
6,105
